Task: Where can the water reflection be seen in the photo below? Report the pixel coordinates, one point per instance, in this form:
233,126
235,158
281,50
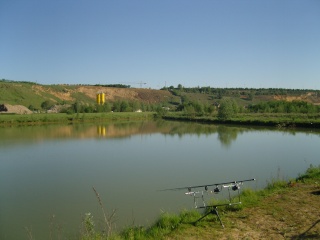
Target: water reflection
226,134
101,130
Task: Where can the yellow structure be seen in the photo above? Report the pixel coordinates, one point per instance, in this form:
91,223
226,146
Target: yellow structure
98,98
102,98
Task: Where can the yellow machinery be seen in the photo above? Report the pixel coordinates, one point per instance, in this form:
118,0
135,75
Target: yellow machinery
98,98
101,98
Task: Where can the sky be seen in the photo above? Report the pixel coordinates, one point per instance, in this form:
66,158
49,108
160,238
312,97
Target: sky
162,43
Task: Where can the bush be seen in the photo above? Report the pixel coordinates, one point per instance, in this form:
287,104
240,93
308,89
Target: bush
228,108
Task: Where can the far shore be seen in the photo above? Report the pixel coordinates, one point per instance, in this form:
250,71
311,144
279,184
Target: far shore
280,120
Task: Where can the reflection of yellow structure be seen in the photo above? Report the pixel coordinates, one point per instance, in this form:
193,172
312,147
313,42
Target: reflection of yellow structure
101,98
101,131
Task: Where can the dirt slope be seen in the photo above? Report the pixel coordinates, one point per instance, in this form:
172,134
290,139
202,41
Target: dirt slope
111,94
308,97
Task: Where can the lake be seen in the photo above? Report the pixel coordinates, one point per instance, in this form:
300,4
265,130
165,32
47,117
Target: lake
47,172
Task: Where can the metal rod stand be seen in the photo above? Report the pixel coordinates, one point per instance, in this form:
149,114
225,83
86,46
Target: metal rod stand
213,210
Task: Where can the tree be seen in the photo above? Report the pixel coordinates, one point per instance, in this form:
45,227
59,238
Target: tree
250,96
226,109
124,106
190,111
46,105
134,105
76,107
88,109
161,111
31,107
117,106
107,107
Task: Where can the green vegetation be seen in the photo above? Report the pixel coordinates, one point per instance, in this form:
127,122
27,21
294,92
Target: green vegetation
46,105
279,120
245,106
284,107
172,226
227,109
272,113
14,94
312,174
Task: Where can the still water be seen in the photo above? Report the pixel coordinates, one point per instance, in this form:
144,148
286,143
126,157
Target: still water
47,173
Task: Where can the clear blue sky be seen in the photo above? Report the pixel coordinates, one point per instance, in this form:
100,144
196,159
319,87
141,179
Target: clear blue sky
217,43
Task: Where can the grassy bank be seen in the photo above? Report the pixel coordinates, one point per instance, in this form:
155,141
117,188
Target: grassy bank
44,118
256,119
283,210
279,120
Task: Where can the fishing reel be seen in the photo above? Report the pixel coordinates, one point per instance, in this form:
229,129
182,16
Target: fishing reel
216,190
235,187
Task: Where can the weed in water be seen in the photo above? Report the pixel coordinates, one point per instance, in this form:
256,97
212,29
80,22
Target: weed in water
89,225
29,232
109,220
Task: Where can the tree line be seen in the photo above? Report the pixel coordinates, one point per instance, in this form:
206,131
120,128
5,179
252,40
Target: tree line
284,107
238,91
228,107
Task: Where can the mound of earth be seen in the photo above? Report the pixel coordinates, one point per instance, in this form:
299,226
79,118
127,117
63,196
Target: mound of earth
111,94
310,97
18,109
139,94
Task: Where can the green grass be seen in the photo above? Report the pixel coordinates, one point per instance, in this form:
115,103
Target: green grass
280,120
310,175
83,98
19,94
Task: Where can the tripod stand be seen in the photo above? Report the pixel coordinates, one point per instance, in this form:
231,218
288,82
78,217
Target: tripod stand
213,209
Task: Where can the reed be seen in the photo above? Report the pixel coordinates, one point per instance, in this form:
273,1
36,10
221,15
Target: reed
108,220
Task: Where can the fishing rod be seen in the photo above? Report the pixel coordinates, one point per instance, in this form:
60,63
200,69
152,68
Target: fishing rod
189,188
213,209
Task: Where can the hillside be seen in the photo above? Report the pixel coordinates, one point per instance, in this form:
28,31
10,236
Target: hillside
26,94
31,94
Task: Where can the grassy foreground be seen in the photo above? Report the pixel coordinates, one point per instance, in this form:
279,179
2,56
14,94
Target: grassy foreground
283,210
